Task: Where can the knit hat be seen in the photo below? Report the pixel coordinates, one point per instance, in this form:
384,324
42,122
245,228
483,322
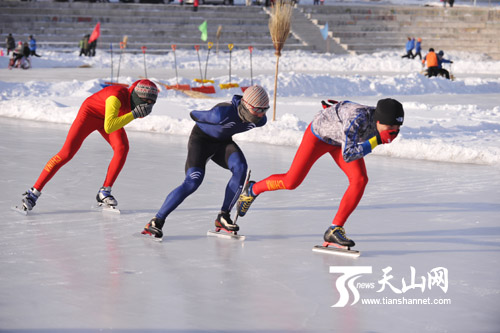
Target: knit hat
255,97
146,89
389,112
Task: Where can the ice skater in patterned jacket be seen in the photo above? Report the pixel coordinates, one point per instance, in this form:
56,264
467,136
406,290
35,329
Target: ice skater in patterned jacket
106,111
211,139
347,131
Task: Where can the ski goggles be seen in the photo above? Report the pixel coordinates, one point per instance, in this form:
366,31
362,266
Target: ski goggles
255,108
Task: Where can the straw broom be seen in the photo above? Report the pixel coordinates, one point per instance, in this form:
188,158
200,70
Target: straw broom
217,36
279,28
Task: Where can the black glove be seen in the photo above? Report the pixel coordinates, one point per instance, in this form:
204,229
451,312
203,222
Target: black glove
330,103
142,110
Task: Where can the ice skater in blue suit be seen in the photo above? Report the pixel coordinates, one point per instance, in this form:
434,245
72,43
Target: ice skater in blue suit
211,139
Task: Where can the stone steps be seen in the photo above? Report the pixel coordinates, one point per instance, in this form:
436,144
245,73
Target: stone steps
365,29
357,28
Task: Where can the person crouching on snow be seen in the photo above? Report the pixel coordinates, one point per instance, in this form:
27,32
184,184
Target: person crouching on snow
211,139
106,111
347,131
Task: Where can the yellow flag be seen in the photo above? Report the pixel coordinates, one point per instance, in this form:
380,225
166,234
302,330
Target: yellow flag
203,29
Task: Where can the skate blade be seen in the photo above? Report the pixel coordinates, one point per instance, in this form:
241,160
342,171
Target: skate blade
225,235
336,251
106,208
148,236
20,210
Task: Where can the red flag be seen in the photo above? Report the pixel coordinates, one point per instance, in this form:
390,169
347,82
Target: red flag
96,33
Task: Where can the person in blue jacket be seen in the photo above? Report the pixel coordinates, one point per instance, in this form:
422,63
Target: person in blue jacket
418,49
32,45
211,139
410,45
441,60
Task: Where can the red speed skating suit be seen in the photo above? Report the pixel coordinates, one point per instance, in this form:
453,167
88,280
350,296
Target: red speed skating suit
339,130
106,111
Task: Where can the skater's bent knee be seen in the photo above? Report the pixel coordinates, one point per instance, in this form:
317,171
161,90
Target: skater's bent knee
121,148
239,169
361,181
193,180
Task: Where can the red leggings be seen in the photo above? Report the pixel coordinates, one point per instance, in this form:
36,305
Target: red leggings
310,149
80,129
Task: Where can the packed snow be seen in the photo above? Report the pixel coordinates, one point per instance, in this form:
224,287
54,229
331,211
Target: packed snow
454,121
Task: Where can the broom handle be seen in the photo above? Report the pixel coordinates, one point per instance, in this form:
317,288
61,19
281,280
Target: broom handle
175,63
230,66
206,64
119,62
111,50
275,86
251,71
199,62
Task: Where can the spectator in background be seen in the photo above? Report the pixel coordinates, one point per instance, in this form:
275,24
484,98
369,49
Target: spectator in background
17,54
410,45
448,1
418,49
91,49
25,61
10,44
20,56
84,45
440,60
32,43
432,63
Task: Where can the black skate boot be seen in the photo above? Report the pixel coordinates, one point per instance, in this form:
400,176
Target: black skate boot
104,197
153,228
224,221
246,198
29,198
336,235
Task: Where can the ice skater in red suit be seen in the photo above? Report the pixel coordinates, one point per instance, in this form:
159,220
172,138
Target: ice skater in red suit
106,111
347,131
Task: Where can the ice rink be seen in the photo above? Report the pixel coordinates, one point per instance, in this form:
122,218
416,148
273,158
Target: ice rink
67,268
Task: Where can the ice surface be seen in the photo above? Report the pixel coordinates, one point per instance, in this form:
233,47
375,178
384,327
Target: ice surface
66,267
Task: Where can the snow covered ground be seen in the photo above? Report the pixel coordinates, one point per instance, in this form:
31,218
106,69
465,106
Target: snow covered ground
456,121
432,203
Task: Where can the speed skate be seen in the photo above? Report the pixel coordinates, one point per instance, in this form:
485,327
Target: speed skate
336,249
148,235
20,209
106,208
223,233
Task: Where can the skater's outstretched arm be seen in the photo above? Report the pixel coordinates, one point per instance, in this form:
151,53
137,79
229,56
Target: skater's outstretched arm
112,121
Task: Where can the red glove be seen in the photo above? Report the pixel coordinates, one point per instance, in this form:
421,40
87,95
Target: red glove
387,136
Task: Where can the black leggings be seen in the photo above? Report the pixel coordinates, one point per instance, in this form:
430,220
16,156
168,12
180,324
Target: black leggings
202,148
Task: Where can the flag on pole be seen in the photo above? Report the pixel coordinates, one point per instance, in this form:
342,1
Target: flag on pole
324,31
96,33
203,29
